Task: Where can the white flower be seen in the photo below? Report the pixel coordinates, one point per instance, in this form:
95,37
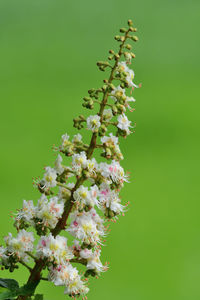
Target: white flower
65,141
77,138
108,114
118,93
76,245
50,177
93,123
4,258
82,195
62,274
55,249
22,243
93,260
86,253
113,171
110,140
76,287
68,276
84,227
124,123
122,66
27,213
71,185
109,199
49,211
79,162
58,166
128,57
2,251
129,99
94,192
91,165
85,197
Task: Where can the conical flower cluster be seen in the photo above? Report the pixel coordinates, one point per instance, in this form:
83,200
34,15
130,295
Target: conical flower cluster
80,193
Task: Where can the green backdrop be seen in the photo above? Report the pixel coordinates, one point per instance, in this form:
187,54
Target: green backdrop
48,52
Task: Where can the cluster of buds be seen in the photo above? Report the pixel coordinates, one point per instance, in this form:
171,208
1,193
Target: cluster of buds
79,197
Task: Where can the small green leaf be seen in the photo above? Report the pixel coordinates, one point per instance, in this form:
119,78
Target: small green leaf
10,284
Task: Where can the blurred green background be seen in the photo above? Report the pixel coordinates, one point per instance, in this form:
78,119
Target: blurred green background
48,51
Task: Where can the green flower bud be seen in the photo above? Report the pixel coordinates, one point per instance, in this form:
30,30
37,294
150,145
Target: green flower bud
133,29
82,117
102,130
108,152
104,87
112,86
118,38
106,212
128,46
102,68
120,108
121,133
134,38
111,214
123,30
91,91
130,23
90,273
114,110
87,99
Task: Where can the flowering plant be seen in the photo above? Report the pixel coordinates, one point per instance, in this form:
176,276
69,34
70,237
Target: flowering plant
79,199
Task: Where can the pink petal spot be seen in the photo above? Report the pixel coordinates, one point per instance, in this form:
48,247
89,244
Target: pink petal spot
59,268
44,243
75,223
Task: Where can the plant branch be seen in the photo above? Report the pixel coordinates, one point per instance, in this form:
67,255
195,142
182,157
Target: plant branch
25,265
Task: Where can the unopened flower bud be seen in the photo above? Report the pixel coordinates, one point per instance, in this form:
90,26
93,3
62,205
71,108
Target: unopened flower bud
134,38
130,23
102,130
104,87
133,29
114,110
123,30
117,38
91,91
128,46
112,86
